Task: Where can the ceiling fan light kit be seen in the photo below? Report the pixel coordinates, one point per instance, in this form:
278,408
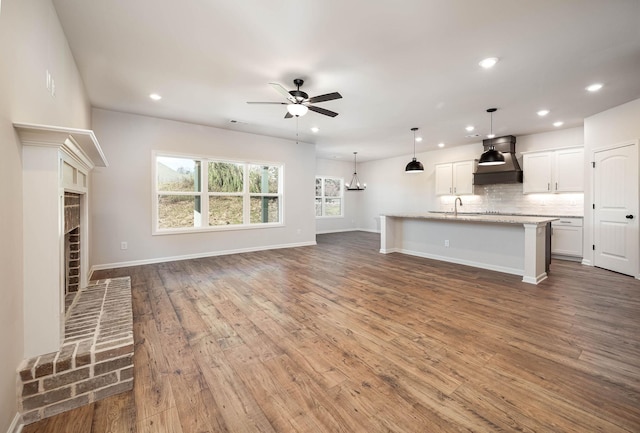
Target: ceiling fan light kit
297,110
354,185
491,156
299,103
414,165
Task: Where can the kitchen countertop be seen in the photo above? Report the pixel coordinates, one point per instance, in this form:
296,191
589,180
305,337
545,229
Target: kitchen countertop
485,218
510,214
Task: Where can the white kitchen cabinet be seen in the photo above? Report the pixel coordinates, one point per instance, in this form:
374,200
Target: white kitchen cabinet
455,178
569,170
553,171
566,238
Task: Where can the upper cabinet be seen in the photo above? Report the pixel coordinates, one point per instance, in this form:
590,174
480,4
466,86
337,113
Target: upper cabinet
554,171
455,178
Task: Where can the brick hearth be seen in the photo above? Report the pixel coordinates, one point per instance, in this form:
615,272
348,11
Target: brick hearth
95,360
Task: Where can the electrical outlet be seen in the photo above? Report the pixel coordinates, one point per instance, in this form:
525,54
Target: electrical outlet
123,245
446,243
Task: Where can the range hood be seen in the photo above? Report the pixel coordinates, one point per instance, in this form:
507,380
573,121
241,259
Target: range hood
509,172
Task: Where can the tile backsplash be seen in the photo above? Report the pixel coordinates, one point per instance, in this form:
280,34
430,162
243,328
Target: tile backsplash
508,198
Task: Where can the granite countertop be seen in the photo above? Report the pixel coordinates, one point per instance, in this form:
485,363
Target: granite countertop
485,218
510,214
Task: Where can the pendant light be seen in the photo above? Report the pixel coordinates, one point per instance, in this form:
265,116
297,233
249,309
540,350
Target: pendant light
491,156
354,185
414,165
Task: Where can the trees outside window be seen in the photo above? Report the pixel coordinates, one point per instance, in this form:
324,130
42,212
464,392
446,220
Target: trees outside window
192,193
329,196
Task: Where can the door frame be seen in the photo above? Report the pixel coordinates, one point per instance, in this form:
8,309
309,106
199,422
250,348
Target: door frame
631,142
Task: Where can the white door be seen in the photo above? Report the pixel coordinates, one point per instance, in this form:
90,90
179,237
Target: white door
616,209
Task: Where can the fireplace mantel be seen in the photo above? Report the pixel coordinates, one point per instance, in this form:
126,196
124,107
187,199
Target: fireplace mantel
54,160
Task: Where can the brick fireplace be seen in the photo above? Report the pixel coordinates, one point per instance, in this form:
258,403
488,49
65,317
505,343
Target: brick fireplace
78,336
56,165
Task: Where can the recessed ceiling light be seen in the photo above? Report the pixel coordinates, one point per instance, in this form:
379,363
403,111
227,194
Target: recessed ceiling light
155,96
557,124
315,129
440,144
418,139
543,113
594,87
488,62
491,135
470,128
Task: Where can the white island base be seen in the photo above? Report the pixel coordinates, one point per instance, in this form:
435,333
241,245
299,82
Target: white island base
511,244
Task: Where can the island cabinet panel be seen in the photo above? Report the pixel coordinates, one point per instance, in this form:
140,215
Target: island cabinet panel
505,243
554,171
455,178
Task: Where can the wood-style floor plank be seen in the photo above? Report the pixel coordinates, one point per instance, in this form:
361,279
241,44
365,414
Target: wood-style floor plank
340,338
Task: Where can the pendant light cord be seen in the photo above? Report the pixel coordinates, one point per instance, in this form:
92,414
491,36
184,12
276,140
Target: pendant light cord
491,126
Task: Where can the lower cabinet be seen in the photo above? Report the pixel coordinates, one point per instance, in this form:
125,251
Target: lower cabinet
566,239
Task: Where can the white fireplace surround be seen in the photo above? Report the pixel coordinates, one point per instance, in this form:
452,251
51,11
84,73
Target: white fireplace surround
54,160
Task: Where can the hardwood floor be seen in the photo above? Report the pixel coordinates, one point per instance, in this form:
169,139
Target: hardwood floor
340,338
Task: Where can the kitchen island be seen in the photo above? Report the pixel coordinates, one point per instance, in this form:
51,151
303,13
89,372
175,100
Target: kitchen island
512,244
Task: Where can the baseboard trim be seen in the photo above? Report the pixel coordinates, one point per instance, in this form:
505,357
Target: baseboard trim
16,425
503,269
369,230
195,256
325,232
586,262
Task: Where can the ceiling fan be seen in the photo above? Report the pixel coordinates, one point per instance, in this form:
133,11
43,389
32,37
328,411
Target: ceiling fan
298,102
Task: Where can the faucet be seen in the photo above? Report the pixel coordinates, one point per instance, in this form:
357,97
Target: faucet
455,206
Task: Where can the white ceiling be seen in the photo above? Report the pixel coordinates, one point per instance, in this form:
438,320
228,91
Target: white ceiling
397,64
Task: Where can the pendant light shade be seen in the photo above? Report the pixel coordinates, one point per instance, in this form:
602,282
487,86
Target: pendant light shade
491,156
354,185
414,165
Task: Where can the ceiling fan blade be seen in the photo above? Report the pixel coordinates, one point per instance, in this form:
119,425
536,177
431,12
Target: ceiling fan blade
323,111
277,103
327,97
288,115
284,92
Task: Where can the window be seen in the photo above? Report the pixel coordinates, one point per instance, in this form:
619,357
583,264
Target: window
193,194
329,196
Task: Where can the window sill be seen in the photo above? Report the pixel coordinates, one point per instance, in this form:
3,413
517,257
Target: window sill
329,217
183,231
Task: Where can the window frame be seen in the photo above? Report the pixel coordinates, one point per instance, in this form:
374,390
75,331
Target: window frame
323,197
204,194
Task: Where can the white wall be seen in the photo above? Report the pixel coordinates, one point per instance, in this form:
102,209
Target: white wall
343,169
31,41
619,124
393,190
122,193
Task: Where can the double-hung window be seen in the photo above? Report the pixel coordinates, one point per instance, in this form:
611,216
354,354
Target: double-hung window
195,194
329,196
